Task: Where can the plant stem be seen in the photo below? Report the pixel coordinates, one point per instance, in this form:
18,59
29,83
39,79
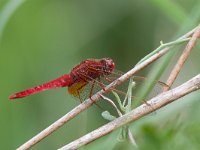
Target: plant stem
170,44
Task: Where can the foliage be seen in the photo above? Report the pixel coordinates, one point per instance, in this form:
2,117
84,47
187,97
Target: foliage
41,40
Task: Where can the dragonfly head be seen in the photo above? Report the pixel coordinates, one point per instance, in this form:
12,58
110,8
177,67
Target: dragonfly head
108,65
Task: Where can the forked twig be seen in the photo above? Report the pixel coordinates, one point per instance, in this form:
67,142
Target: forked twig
144,109
185,54
87,103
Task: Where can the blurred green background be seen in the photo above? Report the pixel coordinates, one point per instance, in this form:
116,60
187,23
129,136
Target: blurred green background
43,39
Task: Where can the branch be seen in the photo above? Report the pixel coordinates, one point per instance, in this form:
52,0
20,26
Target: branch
87,103
177,68
144,109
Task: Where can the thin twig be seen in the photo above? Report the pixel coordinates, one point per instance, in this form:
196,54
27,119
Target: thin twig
177,68
144,109
87,103
131,138
112,103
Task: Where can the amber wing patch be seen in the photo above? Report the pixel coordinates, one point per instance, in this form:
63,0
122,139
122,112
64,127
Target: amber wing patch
76,88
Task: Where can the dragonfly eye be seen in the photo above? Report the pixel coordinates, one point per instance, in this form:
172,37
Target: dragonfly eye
108,65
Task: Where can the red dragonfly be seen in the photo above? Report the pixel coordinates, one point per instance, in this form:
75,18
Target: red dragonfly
86,72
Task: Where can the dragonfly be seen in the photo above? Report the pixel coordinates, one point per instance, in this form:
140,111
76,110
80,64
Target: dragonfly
83,80
88,71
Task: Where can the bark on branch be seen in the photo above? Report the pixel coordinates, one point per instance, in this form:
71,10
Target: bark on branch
152,105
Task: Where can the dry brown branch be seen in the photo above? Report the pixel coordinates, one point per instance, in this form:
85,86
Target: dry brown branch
144,109
185,54
87,103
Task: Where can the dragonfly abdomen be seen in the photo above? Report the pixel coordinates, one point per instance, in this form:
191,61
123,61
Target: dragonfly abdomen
62,81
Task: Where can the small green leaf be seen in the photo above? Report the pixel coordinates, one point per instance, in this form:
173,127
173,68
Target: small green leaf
106,115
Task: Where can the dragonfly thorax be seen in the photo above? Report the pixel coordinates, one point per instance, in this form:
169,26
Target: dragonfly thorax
89,70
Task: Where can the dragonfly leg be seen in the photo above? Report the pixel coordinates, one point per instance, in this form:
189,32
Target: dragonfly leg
108,79
79,96
90,96
92,89
78,92
101,84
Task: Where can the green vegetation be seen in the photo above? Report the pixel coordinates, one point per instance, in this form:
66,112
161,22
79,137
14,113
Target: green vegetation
41,40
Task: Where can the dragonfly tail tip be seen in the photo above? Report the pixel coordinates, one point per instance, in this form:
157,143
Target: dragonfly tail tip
12,97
